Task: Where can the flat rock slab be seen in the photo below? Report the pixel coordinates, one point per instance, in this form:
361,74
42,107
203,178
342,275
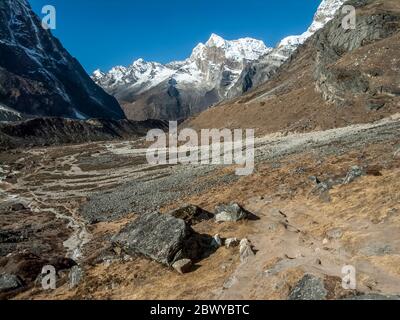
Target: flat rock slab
156,236
309,288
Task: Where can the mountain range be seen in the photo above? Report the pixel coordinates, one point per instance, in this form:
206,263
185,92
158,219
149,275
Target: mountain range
217,70
335,79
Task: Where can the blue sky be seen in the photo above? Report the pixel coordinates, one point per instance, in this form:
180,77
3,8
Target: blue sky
104,33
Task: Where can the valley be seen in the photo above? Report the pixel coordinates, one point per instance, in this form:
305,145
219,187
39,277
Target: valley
316,218
93,191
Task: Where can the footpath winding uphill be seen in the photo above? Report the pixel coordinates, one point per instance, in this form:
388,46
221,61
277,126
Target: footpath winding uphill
318,201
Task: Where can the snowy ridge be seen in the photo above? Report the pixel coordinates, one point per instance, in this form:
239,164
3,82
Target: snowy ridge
216,70
325,13
140,74
205,66
245,48
270,62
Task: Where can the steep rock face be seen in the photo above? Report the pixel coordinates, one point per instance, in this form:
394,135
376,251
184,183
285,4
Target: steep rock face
58,131
7,114
262,69
340,84
182,88
38,76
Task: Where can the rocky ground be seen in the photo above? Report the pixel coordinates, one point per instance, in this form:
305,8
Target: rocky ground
316,202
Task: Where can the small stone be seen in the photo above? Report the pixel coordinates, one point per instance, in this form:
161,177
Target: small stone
231,243
127,258
183,266
354,173
230,213
325,242
216,241
246,250
107,262
9,282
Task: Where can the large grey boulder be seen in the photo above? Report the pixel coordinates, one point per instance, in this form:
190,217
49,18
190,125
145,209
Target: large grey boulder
309,288
156,236
9,282
230,213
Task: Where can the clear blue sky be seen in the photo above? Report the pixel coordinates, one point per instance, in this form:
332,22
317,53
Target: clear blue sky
104,33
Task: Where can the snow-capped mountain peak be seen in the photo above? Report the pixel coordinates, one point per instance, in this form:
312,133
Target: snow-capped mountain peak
98,74
206,65
325,13
216,69
216,41
244,48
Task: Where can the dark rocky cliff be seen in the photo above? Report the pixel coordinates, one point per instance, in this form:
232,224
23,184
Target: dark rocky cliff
39,77
59,131
342,78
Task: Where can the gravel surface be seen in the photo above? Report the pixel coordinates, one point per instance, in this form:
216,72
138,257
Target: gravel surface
147,193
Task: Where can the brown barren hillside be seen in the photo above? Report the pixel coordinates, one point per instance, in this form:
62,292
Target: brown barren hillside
338,77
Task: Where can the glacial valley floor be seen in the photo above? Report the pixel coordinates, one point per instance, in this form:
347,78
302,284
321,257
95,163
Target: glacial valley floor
77,197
